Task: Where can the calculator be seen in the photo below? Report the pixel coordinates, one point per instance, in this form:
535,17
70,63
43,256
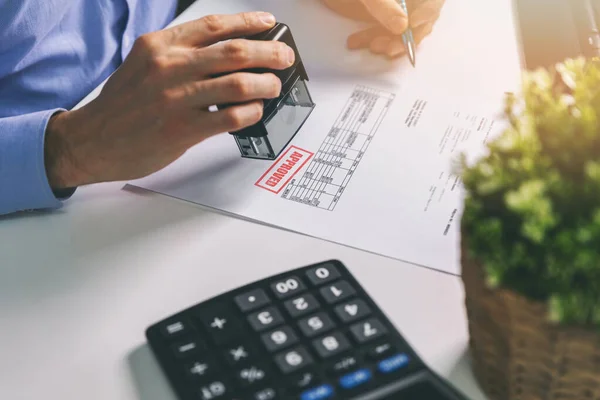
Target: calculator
312,333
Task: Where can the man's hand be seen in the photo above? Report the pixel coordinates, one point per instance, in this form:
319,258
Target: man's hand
155,106
390,21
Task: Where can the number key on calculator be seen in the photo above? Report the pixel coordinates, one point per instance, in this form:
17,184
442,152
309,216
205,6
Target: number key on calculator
312,333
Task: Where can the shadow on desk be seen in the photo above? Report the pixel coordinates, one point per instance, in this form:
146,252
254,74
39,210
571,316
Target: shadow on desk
461,377
149,381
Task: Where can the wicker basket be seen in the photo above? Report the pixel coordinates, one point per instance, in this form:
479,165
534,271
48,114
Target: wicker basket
517,354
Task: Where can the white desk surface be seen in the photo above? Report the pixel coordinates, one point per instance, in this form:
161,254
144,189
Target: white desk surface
79,286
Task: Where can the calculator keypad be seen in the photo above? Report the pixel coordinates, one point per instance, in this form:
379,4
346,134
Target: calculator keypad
267,318
239,354
302,381
322,274
279,338
330,345
287,287
301,305
218,322
252,300
309,334
337,292
293,359
265,394
187,348
315,324
175,328
367,330
343,365
252,374
214,390
352,310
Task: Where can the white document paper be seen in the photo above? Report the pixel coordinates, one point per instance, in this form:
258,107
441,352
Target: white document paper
372,166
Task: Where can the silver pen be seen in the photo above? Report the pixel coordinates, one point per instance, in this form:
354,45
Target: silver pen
407,37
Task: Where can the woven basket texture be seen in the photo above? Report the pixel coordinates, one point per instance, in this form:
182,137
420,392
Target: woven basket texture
518,354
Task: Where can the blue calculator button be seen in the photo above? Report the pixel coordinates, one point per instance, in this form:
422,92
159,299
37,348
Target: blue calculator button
393,363
318,393
355,378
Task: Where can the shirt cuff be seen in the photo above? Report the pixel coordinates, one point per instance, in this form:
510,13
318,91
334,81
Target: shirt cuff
23,181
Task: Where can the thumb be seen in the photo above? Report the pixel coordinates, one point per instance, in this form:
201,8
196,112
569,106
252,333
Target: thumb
388,13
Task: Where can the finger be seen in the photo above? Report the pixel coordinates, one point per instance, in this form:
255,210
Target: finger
362,39
215,28
422,32
388,13
238,54
229,89
396,48
230,119
428,11
374,38
380,44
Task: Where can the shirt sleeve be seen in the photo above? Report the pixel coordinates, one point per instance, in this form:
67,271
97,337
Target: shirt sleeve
23,180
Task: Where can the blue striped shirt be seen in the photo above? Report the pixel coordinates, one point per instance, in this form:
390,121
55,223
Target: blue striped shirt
52,54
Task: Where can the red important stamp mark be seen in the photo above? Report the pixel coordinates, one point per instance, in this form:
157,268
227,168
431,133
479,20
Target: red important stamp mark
284,169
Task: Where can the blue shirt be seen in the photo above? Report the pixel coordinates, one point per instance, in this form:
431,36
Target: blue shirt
52,54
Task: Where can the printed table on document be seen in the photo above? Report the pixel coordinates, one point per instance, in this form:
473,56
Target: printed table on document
329,172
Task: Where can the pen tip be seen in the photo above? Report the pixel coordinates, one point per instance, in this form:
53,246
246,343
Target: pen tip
411,55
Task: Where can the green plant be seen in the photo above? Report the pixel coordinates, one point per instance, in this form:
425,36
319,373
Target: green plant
532,204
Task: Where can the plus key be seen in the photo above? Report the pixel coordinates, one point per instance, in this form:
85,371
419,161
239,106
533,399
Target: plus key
219,321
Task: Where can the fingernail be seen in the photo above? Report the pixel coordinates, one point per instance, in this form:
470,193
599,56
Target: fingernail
291,56
398,24
268,19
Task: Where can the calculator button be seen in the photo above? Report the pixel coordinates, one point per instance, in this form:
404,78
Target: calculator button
343,365
265,319
352,311
279,338
200,368
186,348
239,354
265,394
367,330
214,390
393,363
219,322
376,352
322,392
337,291
332,344
287,287
252,300
316,324
292,360
251,375
301,305
302,381
356,378
322,274
175,328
